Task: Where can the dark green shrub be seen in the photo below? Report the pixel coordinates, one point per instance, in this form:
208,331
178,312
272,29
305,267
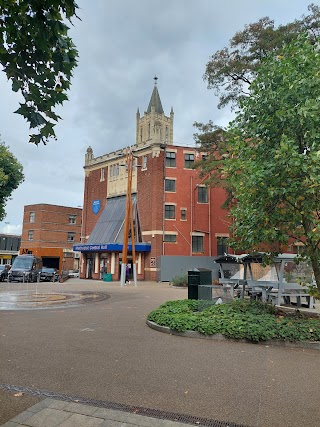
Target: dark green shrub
180,281
238,319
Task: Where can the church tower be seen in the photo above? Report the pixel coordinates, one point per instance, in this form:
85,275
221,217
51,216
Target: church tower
154,126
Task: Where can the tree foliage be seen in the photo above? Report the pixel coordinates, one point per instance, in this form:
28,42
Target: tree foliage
11,175
274,167
38,58
231,70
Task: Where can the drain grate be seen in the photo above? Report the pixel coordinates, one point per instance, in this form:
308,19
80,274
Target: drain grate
154,413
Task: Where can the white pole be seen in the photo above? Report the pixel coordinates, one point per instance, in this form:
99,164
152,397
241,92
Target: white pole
135,274
123,274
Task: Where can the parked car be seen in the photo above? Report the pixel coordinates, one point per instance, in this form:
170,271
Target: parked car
25,268
73,273
49,275
4,270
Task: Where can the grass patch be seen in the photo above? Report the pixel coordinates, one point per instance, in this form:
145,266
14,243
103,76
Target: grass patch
251,320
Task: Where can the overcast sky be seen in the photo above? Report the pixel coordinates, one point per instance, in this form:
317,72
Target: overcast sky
122,44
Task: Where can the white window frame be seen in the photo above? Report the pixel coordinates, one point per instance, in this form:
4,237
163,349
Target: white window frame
72,219
71,236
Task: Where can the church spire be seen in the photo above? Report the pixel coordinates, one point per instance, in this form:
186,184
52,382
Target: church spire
155,100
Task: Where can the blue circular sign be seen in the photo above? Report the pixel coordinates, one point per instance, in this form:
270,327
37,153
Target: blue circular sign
95,206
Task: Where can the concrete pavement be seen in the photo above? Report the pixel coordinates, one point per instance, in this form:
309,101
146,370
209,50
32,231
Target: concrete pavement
57,413
105,351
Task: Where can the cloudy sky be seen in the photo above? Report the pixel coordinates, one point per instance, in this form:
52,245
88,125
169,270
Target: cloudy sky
122,44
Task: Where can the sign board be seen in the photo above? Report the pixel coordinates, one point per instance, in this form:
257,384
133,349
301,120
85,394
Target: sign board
96,206
25,251
111,247
153,262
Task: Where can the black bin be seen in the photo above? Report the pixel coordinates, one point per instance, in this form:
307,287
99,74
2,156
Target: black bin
196,278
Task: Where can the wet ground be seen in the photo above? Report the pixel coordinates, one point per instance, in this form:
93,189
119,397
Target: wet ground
104,351
35,299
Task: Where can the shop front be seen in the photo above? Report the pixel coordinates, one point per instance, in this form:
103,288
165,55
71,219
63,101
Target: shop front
100,259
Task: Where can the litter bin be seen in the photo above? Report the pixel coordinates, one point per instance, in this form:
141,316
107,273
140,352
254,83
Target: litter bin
197,281
107,277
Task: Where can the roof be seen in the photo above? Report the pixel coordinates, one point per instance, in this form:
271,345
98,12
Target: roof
230,259
109,228
258,257
155,102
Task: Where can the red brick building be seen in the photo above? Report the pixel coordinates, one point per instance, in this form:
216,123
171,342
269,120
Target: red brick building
49,231
175,214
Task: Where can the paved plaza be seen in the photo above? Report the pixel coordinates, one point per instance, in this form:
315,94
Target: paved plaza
98,364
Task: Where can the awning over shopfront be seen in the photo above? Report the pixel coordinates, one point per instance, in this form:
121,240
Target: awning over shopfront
107,234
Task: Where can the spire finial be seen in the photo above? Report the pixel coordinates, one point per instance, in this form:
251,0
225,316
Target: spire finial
155,78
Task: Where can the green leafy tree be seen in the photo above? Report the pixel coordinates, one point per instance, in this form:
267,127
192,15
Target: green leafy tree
11,176
274,164
38,58
231,70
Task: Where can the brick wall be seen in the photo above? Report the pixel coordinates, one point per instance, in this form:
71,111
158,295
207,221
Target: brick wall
51,226
94,189
150,207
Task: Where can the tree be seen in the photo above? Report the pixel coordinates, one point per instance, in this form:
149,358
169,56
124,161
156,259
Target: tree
38,58
231,70
230,73
273,166
11,176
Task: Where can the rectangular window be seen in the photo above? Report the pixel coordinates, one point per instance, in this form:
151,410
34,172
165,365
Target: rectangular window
170,212
222,245
202,194
32,216
297,249
144,162
183,214
197,244
171,238
188,161
204,157
102,174
114,170
72,219
71,236
170,185
170,159
30,235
